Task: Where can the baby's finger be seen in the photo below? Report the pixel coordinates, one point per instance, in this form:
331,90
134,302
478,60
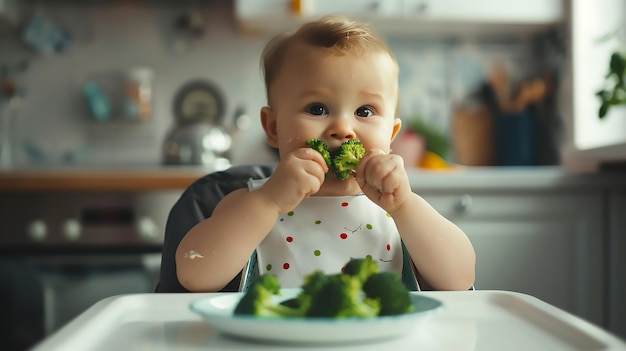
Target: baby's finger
392,178
377,171
310,154
385,173
361,168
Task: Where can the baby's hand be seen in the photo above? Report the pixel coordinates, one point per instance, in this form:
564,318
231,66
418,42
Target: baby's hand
298,175
383,179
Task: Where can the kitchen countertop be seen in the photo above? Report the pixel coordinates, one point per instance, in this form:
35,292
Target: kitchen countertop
512,178
99,178
177,177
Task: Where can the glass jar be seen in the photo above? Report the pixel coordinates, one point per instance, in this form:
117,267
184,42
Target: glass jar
138,97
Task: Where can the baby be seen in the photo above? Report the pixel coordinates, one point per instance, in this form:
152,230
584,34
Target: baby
335,80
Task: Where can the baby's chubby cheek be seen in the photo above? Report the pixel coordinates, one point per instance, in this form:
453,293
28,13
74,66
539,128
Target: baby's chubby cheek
293,140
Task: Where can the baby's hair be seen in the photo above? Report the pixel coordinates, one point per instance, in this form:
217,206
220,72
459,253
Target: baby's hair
337,33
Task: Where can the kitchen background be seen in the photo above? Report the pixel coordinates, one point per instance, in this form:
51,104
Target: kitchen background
108,42
92,110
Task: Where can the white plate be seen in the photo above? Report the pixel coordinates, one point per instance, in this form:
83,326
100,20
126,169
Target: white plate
218,312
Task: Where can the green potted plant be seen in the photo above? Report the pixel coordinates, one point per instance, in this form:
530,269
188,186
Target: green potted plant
615,78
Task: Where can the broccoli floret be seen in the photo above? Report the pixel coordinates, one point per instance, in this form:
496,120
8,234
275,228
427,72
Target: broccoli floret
346,158
362,268
321,147
340,297
359,291
258,301
342,161
313,282
388,289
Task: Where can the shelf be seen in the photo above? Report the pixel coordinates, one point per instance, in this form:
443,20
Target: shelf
96,179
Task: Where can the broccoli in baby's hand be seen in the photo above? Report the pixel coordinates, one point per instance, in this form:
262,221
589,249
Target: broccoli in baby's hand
321,147
359,291
342,161
347,157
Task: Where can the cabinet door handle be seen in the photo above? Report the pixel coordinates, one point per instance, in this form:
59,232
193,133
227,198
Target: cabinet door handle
463,204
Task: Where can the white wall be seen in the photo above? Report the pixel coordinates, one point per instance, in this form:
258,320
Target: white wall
110,38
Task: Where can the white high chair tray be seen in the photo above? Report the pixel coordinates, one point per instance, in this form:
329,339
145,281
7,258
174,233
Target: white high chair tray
467,320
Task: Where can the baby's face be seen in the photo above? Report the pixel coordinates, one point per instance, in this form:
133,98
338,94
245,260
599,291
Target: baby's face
334,98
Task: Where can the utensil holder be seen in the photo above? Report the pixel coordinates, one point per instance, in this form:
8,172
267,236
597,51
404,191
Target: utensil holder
514,138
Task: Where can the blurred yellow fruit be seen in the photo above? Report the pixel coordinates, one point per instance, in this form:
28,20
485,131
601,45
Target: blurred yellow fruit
430,160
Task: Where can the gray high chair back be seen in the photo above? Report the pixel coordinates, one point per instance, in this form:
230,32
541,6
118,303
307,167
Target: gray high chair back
197,203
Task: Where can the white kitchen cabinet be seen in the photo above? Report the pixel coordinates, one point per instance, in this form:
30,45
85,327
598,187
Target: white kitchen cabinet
486,11
617,263
548,244
408,17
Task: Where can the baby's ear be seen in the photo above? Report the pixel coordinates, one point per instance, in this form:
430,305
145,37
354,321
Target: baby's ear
268,121
397,125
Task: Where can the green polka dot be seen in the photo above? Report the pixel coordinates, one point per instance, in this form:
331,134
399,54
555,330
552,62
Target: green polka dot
368,226
318,222
268,267
290,213
317,252
387,214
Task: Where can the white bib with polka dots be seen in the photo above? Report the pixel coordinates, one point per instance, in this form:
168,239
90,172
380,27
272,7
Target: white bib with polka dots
324,232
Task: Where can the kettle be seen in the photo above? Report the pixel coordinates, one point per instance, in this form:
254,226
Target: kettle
200,143
199,136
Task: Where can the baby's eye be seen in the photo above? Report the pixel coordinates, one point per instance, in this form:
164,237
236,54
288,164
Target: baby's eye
317,109
364,111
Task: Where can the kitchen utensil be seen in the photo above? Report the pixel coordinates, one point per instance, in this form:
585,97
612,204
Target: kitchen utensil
199,101
199,143
498,80
531,92
199,136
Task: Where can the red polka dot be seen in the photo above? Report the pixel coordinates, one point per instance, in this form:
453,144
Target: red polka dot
343,269
285,265
343,236
388,247
344,204
289,239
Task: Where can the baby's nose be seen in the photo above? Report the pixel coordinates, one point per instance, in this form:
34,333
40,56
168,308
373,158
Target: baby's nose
341,128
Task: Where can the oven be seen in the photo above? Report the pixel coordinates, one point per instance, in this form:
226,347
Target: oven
62,252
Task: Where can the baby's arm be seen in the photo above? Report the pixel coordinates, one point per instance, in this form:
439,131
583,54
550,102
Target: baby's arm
442,253
216,249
